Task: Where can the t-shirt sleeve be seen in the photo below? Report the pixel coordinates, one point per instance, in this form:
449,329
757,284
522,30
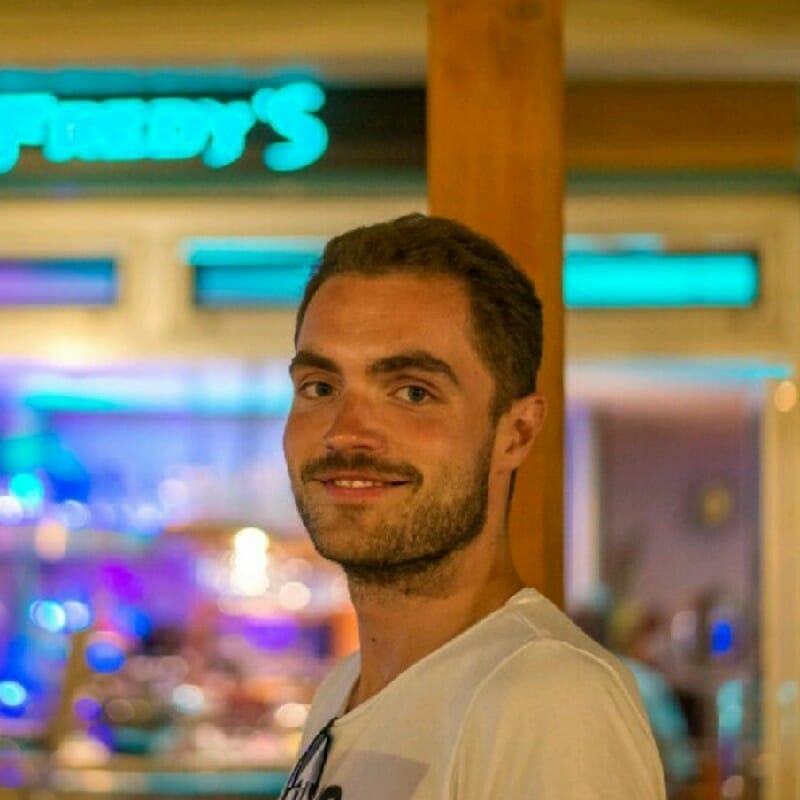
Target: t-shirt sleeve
555,723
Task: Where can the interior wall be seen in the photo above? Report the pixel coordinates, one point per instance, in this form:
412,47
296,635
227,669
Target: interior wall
653,467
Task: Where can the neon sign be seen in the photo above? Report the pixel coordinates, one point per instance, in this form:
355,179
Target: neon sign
133,129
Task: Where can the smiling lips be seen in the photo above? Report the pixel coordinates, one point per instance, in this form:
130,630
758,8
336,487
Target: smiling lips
359,483
357,488
357,479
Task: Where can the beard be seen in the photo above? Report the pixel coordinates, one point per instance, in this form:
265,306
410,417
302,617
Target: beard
414,537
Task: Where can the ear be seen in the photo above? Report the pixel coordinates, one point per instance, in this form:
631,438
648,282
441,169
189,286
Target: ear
517,430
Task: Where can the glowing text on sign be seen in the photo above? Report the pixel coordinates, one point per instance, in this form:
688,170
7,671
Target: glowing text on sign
165,128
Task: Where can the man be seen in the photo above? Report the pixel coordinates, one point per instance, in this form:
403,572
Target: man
417,346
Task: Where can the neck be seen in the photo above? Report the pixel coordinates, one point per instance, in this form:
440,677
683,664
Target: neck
401,622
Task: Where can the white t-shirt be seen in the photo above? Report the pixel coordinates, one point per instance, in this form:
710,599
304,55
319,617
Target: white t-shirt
521,706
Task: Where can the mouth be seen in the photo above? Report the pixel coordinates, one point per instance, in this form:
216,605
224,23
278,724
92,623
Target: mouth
340,487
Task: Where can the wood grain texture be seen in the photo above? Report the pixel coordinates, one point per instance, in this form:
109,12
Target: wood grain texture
495,99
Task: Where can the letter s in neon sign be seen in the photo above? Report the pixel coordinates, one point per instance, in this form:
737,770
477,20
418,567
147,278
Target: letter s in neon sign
165,128
288,112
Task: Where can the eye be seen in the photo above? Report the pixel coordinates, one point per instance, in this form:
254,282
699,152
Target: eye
312,390
415,395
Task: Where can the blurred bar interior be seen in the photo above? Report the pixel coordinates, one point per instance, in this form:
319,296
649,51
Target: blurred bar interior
168,174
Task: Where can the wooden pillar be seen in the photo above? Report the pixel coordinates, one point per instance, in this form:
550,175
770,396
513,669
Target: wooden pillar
495,89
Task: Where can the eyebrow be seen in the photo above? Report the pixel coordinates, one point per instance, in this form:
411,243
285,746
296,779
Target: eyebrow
412,359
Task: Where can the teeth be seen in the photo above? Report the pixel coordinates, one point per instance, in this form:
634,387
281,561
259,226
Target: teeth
357,484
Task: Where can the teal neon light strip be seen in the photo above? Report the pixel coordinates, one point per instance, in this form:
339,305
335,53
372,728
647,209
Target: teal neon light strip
202,783
267,272
250,251
273,272
218,389
220,286
660,280
650,372
614,243
167,128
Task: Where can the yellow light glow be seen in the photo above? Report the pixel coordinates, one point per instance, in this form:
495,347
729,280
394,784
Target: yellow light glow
50,540
249,584
785,397
72,353
249,540
248,562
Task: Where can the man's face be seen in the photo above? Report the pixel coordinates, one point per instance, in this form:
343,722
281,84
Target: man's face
389,440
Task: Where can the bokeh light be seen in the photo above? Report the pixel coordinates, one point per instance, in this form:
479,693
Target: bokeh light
50,540
12,694
785,396
87,708
250,541
28,489
291,715
79,615
73,515
249,562
188,699
11,510
294,596
49,615
105,655
120,710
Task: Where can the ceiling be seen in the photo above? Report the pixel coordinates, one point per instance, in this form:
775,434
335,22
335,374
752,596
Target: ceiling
384,40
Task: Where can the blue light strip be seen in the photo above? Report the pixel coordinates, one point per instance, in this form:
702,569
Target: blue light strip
269,272
660,280
272,272
217,389
57,282
221,286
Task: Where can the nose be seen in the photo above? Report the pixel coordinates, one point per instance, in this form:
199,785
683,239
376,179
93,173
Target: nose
354,426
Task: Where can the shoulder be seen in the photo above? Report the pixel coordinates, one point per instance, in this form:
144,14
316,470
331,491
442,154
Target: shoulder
552,646
545,675
556,669
563,710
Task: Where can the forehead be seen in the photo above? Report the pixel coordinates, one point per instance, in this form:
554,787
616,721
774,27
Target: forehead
358,322
365,314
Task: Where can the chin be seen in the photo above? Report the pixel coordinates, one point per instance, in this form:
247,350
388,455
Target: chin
334,545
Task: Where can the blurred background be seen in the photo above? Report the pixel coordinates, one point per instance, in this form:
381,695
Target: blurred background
168,174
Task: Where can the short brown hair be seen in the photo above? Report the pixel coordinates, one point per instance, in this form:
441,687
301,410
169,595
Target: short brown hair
506,314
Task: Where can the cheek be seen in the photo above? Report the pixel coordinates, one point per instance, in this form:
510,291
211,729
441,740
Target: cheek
429,429
438,441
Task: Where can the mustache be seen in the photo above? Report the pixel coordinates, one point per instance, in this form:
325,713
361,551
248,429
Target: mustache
359,462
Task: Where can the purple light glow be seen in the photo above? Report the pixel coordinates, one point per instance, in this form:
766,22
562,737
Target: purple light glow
122,580
88,709
11,775
272,635
33,282
102,733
